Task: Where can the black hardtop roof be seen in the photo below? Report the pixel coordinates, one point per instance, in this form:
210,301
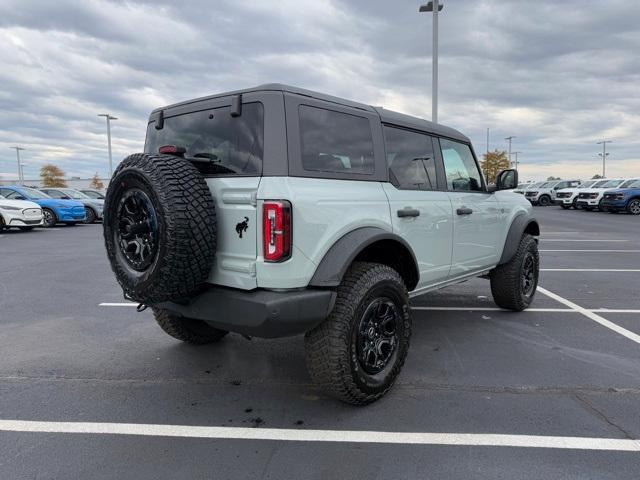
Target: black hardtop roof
386,116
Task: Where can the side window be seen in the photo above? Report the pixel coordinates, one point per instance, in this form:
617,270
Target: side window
10,194
54,193
5,192
410,159
460,166
335,142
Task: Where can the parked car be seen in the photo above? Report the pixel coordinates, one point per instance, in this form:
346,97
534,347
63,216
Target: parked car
568,197
21,214
522,188
322,222
626,198
92,207
95,194
54,211
591,198
544,194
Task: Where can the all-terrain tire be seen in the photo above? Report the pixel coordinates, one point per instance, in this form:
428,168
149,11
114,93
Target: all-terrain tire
188,330
181,225
508,282
332,348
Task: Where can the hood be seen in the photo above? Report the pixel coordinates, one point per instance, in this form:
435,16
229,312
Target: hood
23,204
91,203
52,202
626,191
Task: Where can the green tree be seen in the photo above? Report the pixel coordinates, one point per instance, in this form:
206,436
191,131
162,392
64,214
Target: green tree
493,163
52,176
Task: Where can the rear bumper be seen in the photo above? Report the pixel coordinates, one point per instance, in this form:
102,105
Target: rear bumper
259,313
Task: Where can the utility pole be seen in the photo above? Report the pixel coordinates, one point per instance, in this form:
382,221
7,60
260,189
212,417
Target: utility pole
487,141
109,118
516,163
18,150
434,6
509,139
604,155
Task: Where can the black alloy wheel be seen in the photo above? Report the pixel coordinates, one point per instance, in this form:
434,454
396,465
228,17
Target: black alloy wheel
137,232
529,274
377,335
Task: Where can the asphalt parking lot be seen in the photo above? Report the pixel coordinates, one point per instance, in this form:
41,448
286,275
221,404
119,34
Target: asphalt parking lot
553,392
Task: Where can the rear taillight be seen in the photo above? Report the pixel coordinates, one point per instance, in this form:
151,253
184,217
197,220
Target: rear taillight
276,230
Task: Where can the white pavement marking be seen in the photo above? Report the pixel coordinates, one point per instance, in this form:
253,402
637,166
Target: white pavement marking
127,304
531,310
337,436
589,250
589,270
581,240
592,315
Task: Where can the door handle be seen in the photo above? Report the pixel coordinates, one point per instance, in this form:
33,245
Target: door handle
464,211
408,212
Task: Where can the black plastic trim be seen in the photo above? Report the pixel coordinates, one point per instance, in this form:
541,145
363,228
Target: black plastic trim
516,230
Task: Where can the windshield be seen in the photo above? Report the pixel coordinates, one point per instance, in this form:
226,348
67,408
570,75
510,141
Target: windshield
74,194
92,194
628,183
611,183
548,184
534,185
586,184
634,184
34,194
223,144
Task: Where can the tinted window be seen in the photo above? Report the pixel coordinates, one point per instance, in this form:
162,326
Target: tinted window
225,145
410,159
460,167
54,193
335,142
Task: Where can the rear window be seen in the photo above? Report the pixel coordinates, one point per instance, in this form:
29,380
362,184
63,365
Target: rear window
335,142
224,145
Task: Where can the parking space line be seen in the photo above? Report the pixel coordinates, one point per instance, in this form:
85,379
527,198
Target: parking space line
592,315
591,250
530,310
334,436
124,304
590,270
581,240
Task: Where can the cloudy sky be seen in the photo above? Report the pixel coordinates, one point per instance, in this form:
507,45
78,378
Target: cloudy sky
559,75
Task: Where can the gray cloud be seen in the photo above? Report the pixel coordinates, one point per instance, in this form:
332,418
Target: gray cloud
558,75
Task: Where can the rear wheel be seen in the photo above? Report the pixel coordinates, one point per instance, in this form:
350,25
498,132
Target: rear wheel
514,283
544,201
188,330
634,206
357,353
49,218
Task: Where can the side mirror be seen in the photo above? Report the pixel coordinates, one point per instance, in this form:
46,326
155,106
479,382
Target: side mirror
65,197
20,197
507,180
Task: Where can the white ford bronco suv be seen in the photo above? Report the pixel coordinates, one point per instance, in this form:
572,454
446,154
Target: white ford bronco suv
276,211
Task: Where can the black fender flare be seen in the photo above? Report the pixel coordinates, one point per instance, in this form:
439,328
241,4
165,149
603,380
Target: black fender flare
344,251
522,223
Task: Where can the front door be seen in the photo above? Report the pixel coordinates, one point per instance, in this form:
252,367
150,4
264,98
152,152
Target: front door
476,213
420,213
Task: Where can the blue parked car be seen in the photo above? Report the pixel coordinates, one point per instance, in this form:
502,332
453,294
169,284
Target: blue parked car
627,198
53,210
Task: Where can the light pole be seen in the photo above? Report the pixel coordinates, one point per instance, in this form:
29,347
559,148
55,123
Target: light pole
516,162
604,154
22,171
18,150
509,139
109,118
434,6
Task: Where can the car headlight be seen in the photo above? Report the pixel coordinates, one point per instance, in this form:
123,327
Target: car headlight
9,207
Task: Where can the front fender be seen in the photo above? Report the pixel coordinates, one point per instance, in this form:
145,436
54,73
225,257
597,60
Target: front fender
523,222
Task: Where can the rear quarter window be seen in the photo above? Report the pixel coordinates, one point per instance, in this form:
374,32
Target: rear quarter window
222,144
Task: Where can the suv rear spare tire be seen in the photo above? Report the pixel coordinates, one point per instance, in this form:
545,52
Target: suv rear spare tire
159,227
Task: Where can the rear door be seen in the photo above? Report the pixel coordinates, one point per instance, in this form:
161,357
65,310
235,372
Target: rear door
229,149
476,213
420,213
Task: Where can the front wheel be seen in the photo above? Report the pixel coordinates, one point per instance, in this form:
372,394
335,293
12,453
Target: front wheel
514,283
90,215
49,218
357,353
634,206
544,201
189,330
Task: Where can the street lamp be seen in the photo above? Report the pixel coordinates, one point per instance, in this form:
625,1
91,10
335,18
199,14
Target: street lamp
18,150
516,162
109,118
434,6
604,154
509,139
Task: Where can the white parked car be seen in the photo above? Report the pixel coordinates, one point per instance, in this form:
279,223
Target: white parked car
591,198
523,187
20,214
568,197
544,194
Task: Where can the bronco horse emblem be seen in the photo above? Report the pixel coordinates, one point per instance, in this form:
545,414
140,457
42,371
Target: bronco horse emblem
242,227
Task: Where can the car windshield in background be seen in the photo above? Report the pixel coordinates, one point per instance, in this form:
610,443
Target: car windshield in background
548,184
94,195
224,145
34,194
628,183
611,184
586,184
75,194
